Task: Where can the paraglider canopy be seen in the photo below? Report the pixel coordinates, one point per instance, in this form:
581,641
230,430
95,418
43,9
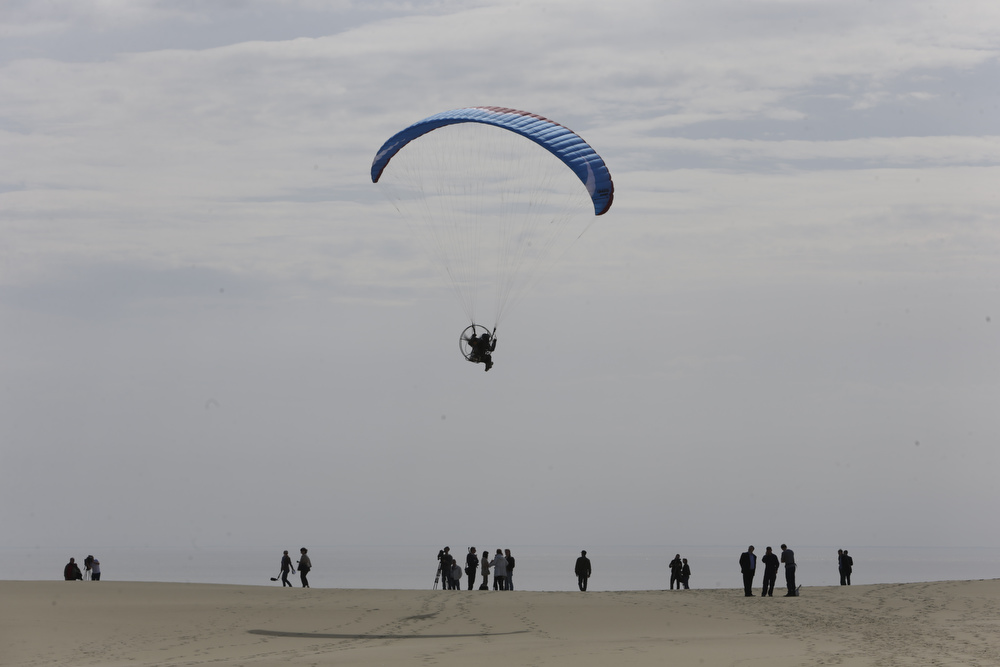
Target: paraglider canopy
555,138
495,195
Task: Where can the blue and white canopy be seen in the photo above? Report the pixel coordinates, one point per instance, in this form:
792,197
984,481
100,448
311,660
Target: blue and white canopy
562,142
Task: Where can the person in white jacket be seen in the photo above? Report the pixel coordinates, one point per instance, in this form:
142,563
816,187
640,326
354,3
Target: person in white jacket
499,571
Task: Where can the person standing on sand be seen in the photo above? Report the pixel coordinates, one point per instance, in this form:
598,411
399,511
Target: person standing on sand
286,568
499,571
685,575
471,565
444,567
72,571
95,570
582,570
770,561
510,569
485,565
305,564
788,558
748,565
840,566
675,571
848,563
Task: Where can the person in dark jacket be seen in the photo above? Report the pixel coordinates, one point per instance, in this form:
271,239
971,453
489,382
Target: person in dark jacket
305,564
482,348
582,570
510,569
286,567
676,565
748,566
445,559
770,561
485,567
72,571
685,574
471,566
848,564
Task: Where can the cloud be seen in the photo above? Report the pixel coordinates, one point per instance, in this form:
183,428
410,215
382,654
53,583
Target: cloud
800,258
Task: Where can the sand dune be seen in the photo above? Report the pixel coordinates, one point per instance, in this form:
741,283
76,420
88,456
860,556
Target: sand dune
108,623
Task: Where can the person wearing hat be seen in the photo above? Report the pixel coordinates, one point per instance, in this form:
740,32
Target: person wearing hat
582,570
304,566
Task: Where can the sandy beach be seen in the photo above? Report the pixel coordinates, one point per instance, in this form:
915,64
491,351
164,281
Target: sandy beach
130,623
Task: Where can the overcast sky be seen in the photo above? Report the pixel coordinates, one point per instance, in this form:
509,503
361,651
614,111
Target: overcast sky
217,331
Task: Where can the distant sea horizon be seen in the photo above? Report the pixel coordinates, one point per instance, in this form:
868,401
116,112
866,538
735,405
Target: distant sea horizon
538,567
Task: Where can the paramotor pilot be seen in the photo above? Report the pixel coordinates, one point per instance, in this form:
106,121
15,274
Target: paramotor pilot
482,349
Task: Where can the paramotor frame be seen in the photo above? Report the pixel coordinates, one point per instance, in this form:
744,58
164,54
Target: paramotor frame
463,340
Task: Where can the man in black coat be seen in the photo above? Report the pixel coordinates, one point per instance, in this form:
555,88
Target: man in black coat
676,565
748,565
770,561
582,570
471,566
445,559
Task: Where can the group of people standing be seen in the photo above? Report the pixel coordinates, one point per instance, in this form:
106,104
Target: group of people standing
304,563
91,570
748,565
680,573
450,571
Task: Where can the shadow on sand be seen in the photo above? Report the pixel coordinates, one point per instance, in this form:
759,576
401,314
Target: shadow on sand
325,635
